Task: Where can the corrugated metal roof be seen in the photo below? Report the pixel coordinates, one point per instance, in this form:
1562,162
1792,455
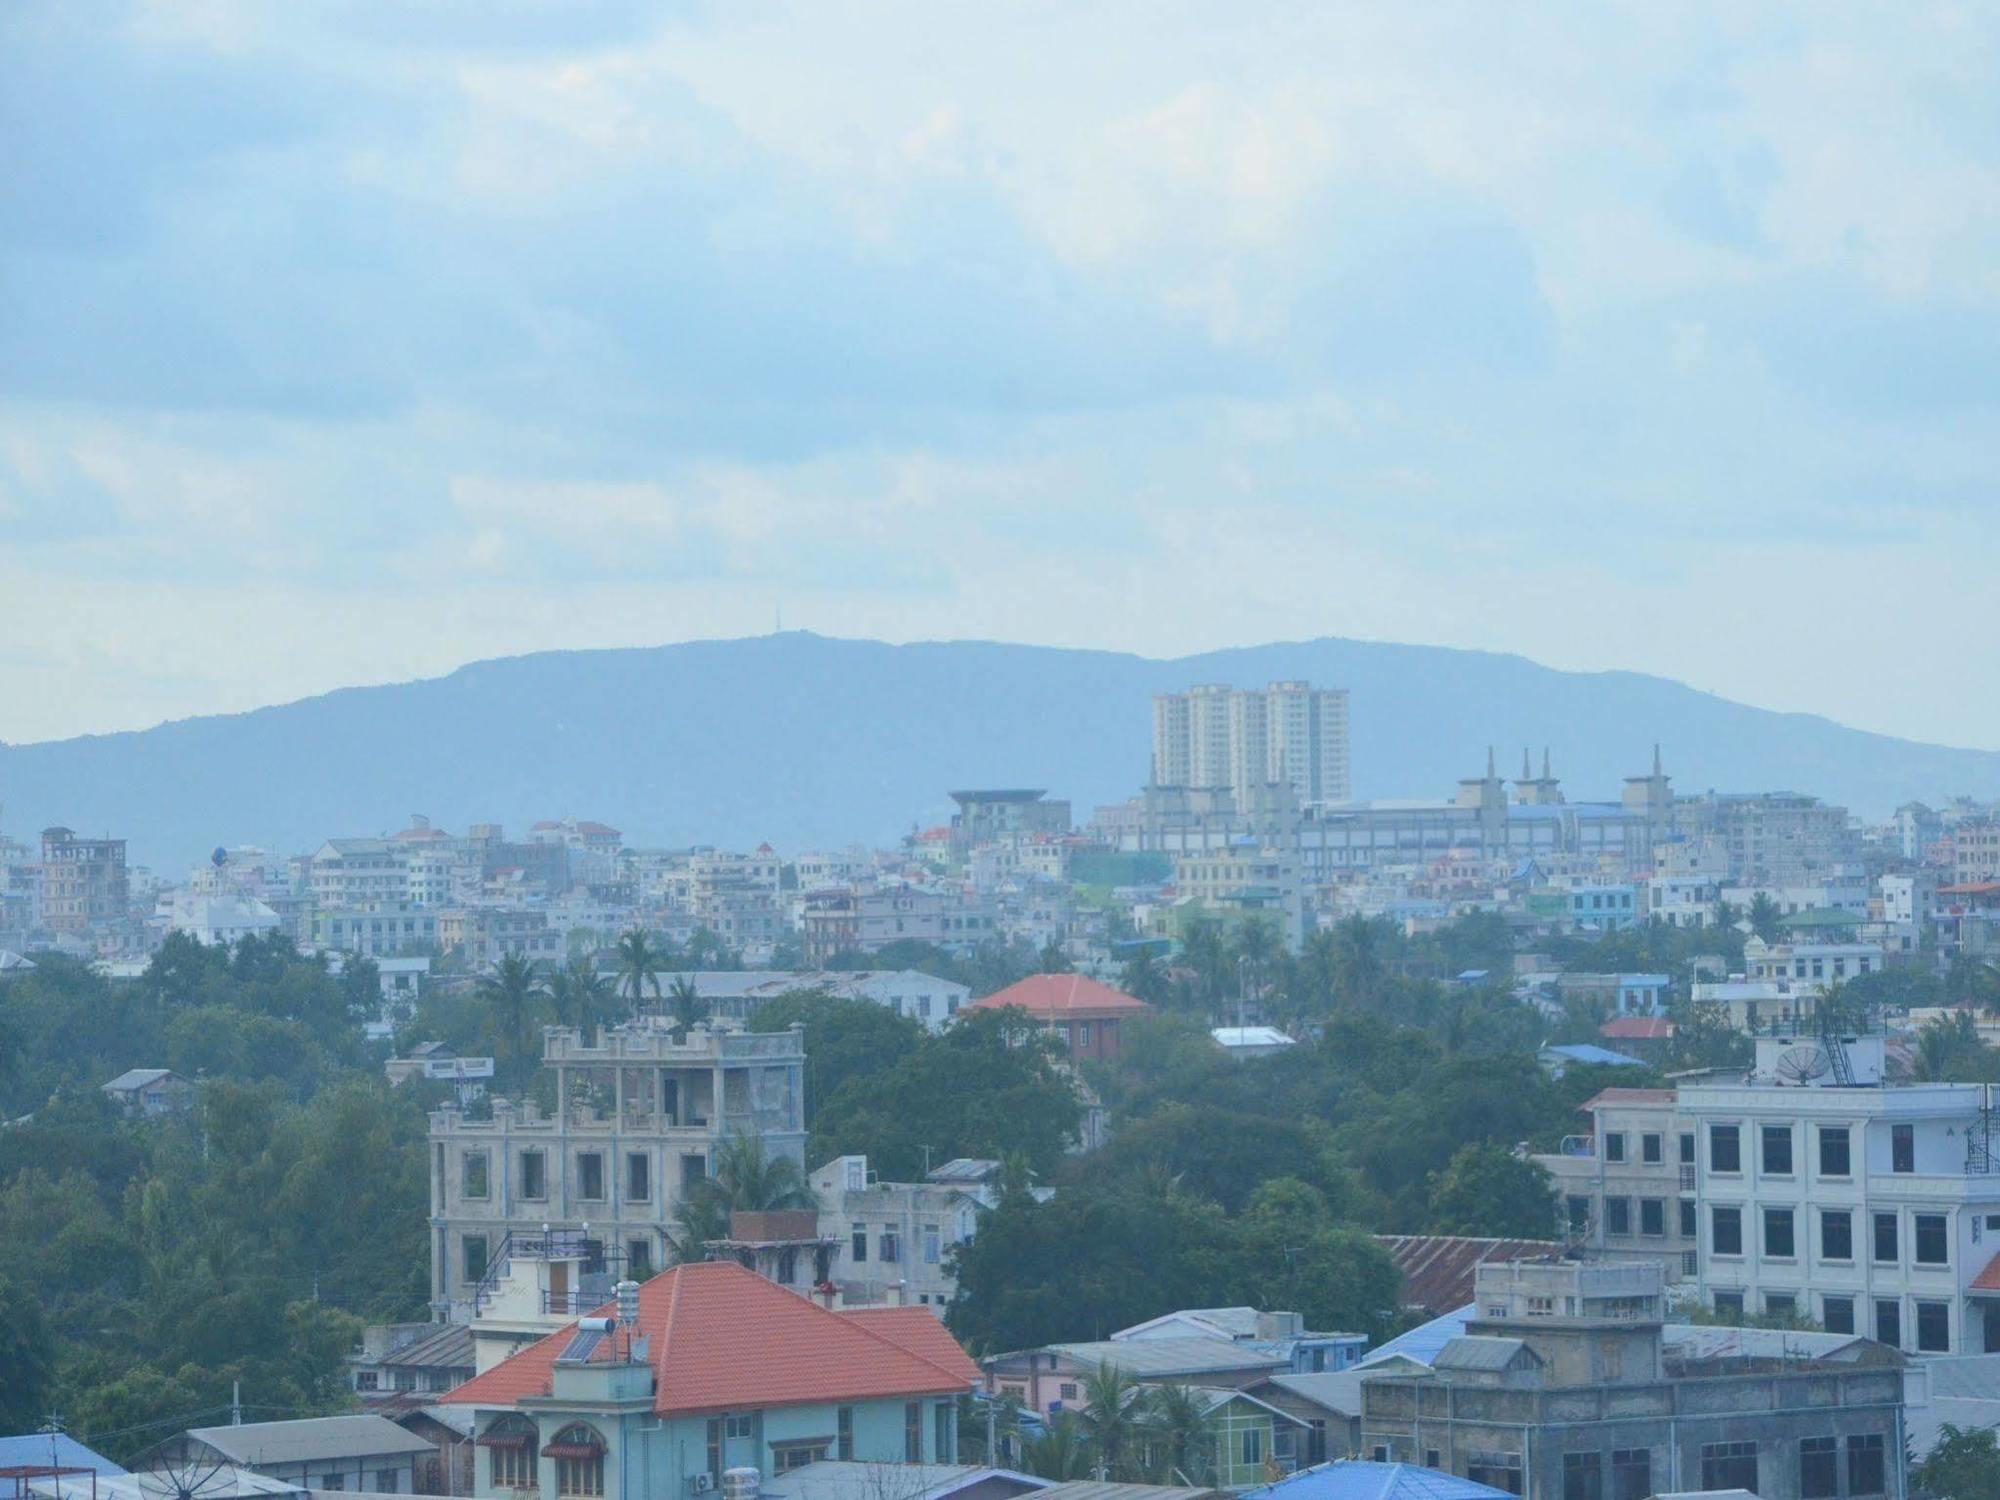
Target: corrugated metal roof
1437,1269
52,1448
1476,1351
308,1439
1153,1357
1359,1480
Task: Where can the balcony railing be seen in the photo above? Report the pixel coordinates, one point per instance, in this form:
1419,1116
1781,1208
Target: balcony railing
1687,1176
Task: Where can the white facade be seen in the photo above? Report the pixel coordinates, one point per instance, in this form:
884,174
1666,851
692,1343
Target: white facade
1289,733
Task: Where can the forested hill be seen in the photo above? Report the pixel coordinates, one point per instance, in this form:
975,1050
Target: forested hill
805,740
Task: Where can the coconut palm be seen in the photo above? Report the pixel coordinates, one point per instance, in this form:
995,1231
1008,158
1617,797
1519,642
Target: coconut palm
1359,963
1207,954
510,992
638,966
685,1003
1765,919
578,994
1110,1422
1060,1452
1178,1435
744,1178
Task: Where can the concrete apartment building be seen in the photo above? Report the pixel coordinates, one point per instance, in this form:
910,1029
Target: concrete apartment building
83,882
1289,734
1248,882
638,1117
863,920
1561,1389
1770,838
1626,1191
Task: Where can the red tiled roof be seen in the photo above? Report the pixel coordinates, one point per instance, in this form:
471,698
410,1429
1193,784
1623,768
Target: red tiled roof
725,1339
1627,1096
1437,1269
1988,1280
1063,996
1637,1028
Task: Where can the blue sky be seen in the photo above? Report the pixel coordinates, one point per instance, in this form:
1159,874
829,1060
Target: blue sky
345,344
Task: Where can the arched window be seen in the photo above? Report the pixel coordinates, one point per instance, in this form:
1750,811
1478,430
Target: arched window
510,1442
579,1455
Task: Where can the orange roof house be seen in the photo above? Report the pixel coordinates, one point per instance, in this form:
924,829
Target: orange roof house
725,1370
1088,1016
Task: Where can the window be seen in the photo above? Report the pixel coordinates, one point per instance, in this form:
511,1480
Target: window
385,1481
1583,1476
638,1258
1729,1466
1835,1153
694,1171
1819,1468
890,1251
844,1422
1902,1148
1687,1160
1777,1150
1867,1472
714,1449
1688,1230
1932,1249
913,1432
1501,1470
1933,1328
943,1431
511,1441
739,1427
1729,1306
590,1175
1889,1322
1885,1239
1837,1314
1631,1473
1653,1217
1067,1390
1578,1208
1778,1238
1780,1305
1725,1149
1651,1148
1253,1446
472,1175
933,1245
1614,1145
579,1455
786,1457
1836,1234
1083,1033
1725,1227
1617,1215
638,1177
534,1175
333,1481
859,1249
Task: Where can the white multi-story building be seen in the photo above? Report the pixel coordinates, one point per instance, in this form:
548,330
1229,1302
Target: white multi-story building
1289,733
358,873
1866,1209
1809,967
1683,900
1627,1189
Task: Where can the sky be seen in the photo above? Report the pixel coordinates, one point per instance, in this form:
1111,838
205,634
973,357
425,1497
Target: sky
348,343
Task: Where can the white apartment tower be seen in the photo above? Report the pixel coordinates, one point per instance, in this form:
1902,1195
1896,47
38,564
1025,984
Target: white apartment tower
1289,733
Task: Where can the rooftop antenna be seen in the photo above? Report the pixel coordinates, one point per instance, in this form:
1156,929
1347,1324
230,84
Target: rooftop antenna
627,1295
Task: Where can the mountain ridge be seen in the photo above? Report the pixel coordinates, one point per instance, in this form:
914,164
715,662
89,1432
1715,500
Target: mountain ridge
804,740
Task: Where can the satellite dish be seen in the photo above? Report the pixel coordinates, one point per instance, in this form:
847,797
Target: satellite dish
1801,1065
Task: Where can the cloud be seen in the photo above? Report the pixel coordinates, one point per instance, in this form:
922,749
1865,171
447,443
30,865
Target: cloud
340,344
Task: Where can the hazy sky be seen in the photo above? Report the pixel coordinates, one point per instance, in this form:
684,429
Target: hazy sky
339,344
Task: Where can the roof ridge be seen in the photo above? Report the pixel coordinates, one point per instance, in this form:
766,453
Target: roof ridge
667,1327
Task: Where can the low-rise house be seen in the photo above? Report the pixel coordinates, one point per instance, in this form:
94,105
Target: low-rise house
1282,1333
830,1479
1362,1480
1089,1018
1049,1379
1560,1385
891,1241
150,1093
1251,1041
364,1452
59,1454
1560,1059
713,1368
406,1362
1438,1269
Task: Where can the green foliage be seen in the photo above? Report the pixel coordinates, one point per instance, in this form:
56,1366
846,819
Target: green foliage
990,967
990,1084
1964,1465
746,1178
1223,1155
27,1359
845,1039
1487,1190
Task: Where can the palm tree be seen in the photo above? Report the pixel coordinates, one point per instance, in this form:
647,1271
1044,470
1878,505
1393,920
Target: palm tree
1208,955
638,966
1765,918
1060,1452
1109,1421
1359,967
1179,1436
510,993
744,1178
686,1005
577,993
1143,978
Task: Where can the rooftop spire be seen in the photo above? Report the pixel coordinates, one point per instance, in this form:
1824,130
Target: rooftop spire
1545,764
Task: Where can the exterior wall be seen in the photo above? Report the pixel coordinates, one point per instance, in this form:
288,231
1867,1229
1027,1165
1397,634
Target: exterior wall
84,883
921,1220
1940,1184
1450,1425
637,1094
1589,1185
384,1473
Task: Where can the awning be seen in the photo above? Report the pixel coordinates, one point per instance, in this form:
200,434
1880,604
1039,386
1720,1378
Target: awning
573,1450
505,1440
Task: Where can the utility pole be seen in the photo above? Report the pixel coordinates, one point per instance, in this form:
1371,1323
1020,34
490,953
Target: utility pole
235,1403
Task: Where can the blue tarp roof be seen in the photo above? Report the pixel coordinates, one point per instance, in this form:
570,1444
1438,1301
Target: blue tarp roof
1358,1480
68,1453
1585,1052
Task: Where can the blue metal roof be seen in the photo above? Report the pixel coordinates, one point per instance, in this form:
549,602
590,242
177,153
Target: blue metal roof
1360,1480
60,1449
1423,1342
1585,1052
